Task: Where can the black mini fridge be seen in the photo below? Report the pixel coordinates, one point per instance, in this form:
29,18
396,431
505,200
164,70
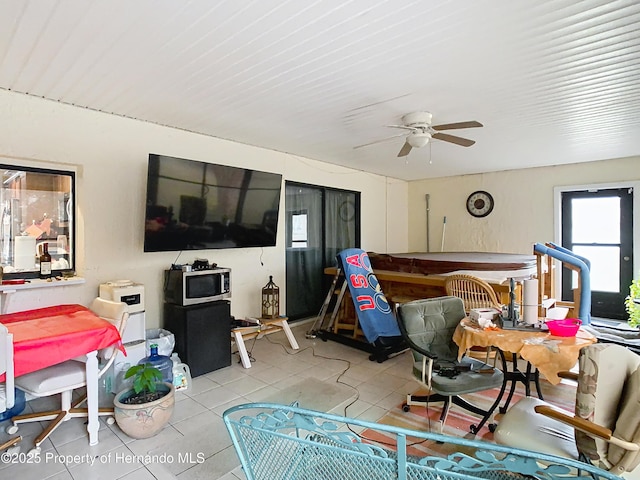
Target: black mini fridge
202,334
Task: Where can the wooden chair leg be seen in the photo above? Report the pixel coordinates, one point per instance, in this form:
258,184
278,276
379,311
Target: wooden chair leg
10,443
53,424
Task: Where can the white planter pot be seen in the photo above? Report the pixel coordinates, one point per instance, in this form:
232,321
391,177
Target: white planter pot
146,419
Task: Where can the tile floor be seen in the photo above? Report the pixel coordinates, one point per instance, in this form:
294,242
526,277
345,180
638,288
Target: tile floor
196,445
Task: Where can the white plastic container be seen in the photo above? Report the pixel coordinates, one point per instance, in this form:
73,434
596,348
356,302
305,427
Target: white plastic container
557,313
181,373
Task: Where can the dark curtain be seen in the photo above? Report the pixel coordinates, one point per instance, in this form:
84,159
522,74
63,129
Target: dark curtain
320,223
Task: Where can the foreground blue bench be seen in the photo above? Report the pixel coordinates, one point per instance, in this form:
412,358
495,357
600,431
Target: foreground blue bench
278,442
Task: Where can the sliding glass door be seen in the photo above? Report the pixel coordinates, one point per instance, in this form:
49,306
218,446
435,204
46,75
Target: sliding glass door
320,222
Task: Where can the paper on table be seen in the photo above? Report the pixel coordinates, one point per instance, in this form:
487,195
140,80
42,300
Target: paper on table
557,313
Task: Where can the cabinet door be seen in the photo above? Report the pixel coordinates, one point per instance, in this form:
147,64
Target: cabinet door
202,334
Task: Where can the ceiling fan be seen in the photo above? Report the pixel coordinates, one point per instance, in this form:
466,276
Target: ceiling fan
421,132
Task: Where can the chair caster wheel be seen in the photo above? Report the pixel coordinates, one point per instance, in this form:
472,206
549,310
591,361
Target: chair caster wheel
15,450
11,429
406,408
34,452
473,429
492,427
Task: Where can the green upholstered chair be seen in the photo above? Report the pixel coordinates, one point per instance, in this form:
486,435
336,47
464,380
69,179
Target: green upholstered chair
428,326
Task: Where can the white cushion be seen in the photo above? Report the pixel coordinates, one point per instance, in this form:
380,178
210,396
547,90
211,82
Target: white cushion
628,423
522,427
54,379
604,370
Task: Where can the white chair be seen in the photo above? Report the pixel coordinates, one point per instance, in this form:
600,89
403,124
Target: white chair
65,377
7,390
604,430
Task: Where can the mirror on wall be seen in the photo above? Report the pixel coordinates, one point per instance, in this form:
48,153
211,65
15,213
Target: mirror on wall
37,207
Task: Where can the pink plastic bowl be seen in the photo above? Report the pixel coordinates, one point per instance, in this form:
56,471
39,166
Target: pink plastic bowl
564,328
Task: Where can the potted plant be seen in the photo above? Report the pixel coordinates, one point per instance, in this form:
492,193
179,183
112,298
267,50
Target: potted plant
632,303
143,409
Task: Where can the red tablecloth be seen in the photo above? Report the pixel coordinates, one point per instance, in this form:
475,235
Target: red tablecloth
46,336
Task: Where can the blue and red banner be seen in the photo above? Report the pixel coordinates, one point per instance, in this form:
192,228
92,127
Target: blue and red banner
375,315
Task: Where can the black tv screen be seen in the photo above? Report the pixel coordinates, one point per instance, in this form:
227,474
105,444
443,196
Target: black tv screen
194,205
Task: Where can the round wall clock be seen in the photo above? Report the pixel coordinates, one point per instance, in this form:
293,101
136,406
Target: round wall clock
480,203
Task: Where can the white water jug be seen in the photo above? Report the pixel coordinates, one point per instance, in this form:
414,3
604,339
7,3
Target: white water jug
181,373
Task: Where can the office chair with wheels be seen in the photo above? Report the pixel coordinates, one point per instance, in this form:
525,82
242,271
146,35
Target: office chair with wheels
604,430
63,378
7,389
428,326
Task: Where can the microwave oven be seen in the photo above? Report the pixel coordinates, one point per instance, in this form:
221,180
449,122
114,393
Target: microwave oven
197,286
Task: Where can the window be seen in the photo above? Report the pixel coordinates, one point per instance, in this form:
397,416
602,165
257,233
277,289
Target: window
37,207
299,232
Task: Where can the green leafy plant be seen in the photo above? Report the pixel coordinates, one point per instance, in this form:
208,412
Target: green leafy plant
633,309
145,378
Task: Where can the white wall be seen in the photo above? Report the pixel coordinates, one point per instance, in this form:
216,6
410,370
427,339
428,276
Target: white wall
524,206
397,217
110,156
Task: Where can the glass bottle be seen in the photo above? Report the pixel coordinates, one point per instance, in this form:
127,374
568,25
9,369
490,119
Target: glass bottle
45,262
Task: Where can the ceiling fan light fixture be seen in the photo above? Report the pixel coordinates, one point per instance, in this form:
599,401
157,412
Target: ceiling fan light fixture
418,139
415,118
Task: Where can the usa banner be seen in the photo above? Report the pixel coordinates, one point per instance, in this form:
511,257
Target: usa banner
375,315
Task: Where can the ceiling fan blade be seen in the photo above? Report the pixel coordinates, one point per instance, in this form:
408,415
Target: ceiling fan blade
380,141
452,126
465,142
404,151
405,127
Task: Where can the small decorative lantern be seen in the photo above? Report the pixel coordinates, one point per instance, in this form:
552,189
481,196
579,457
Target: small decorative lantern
270,300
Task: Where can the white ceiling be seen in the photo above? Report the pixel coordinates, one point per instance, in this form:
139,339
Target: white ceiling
552,82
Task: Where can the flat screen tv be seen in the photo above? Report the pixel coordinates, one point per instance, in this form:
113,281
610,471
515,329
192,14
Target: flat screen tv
193,205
